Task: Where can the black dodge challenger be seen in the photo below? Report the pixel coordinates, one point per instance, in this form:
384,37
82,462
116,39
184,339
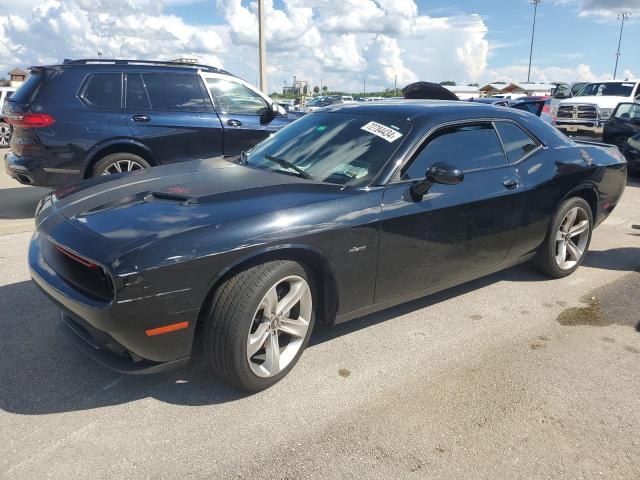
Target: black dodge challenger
346,211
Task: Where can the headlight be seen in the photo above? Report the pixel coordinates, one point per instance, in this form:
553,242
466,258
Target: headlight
606,112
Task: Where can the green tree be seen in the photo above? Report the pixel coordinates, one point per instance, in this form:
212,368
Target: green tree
325,89
316,90
448,83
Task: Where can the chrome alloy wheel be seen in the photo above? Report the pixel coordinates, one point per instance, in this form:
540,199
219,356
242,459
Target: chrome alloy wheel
280,325
572,238
5,135
120,166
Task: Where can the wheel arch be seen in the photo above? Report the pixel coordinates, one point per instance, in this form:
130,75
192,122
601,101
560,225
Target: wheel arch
587,192
122,145
318,266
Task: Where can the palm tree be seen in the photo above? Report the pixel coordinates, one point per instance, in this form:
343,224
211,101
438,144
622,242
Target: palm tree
316,90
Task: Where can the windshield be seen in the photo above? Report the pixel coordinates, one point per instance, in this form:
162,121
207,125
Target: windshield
608,89
342,148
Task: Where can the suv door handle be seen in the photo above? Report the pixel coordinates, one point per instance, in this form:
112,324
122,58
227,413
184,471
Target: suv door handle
141,118
510,183
234,123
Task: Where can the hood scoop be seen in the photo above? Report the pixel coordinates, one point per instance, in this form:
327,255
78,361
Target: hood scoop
171,197
144,197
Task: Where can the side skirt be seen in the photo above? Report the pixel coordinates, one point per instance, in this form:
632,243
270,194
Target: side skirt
376,307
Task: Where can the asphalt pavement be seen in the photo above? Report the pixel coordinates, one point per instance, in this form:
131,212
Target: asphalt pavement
511,376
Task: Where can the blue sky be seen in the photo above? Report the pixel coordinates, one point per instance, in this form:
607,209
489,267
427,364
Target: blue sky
335,42
563,36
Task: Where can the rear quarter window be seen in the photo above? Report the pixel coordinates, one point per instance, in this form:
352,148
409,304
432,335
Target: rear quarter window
103,90
28,90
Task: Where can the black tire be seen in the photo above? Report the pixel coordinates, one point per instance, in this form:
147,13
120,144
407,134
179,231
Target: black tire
123,158
545,259
5,134
231,316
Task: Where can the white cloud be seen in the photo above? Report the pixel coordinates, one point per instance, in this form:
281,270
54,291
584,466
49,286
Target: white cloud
518,73
334,42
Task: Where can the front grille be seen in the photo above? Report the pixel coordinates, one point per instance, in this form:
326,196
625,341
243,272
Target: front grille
578,112
80,273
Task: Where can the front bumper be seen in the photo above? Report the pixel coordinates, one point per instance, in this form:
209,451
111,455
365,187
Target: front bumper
29,171
113,333
593,127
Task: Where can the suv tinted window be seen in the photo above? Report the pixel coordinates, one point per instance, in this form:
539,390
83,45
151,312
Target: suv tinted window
136,93
468,146
235,98
103,90
516,142
27,90
174,92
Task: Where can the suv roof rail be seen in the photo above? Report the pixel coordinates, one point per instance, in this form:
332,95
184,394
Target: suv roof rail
85,61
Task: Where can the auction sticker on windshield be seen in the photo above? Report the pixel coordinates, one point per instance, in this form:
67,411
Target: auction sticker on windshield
382,131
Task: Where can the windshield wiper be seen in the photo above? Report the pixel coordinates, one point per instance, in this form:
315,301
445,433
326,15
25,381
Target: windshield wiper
286,164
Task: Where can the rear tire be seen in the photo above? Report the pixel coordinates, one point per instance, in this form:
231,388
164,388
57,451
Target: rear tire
259,323
119,163
5,135
568,239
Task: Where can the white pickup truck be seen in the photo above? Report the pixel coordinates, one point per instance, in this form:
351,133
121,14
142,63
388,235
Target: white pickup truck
587,112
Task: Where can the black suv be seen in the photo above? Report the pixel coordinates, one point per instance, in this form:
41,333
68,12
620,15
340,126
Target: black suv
96,117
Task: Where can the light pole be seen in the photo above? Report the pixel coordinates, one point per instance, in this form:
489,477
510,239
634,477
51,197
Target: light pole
262,48
535,4
622,16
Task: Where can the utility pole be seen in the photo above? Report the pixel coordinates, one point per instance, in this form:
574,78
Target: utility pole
622,16
535,4
364,85
395,86
262,47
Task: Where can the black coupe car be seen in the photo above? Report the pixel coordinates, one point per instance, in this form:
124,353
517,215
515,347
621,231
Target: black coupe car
623,124
346,211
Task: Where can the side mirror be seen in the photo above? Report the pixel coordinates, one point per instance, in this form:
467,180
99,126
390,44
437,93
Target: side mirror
275,110
442,173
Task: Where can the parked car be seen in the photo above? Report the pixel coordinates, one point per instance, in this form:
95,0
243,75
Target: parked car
88,118
344,212
321,102
631,151
5,128
623,124
539,106
587,112
563,91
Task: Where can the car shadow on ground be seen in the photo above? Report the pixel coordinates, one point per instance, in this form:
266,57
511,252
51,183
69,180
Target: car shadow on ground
20,202
42,373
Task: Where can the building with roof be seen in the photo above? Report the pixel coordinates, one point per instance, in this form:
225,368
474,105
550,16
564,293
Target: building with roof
529,89
17,76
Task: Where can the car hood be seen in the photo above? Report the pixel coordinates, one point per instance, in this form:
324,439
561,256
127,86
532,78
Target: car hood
131,210
602,102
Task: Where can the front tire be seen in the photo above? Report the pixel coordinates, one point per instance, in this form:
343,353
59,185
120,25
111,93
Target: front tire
567,242
259,323
119,163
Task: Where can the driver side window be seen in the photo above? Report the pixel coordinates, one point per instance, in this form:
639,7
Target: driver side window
471,146
234,98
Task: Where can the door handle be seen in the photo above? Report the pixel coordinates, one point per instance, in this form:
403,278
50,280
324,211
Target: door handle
510,183
141,118
234,123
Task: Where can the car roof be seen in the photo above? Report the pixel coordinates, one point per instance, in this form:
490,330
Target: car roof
413,109
110,64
